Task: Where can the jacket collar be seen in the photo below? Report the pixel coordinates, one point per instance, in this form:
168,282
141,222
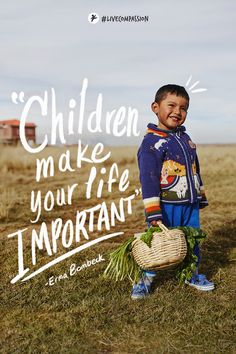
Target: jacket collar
153,129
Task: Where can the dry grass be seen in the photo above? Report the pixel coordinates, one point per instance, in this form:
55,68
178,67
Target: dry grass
85,314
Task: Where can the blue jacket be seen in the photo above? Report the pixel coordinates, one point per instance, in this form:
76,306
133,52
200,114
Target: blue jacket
169,170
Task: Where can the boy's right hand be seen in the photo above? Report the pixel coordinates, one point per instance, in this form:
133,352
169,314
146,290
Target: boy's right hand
156,222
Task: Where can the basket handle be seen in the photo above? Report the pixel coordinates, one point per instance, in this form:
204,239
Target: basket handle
164,229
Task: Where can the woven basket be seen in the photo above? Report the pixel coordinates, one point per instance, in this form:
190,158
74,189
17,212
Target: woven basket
168,248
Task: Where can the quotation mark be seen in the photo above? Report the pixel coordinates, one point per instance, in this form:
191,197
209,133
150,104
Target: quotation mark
15,97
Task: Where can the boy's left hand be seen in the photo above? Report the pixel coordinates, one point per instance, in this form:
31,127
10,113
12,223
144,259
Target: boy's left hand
156,222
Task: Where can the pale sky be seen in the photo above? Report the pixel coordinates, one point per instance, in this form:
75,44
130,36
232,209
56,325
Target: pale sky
48,44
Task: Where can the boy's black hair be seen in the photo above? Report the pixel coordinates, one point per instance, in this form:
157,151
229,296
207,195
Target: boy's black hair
171,88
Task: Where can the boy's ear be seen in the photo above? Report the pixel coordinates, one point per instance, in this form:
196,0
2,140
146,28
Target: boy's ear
155,107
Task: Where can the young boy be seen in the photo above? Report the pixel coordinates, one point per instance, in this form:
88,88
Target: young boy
172,188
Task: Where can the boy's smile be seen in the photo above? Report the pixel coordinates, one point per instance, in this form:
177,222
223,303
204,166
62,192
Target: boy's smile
171,111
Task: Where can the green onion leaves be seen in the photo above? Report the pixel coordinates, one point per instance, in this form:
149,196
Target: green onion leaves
122,264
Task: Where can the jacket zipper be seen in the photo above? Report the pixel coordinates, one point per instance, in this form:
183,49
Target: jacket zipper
189,174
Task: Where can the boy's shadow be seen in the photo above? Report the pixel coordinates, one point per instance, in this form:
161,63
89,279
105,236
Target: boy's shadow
215,254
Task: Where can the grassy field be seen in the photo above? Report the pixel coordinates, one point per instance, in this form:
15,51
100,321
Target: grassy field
84,313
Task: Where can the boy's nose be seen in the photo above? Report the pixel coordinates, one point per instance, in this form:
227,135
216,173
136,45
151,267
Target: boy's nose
177,110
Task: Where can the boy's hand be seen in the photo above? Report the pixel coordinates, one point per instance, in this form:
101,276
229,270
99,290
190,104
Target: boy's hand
156,222
202,206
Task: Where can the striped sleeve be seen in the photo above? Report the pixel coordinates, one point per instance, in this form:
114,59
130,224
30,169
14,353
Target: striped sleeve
152,208
203,201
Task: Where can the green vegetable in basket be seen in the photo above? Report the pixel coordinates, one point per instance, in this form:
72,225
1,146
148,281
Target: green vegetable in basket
122,264
188,266
147,236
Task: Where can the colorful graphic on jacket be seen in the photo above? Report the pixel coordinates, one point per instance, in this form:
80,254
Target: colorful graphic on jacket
173,178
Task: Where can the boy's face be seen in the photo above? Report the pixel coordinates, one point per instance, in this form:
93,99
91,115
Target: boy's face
171,111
